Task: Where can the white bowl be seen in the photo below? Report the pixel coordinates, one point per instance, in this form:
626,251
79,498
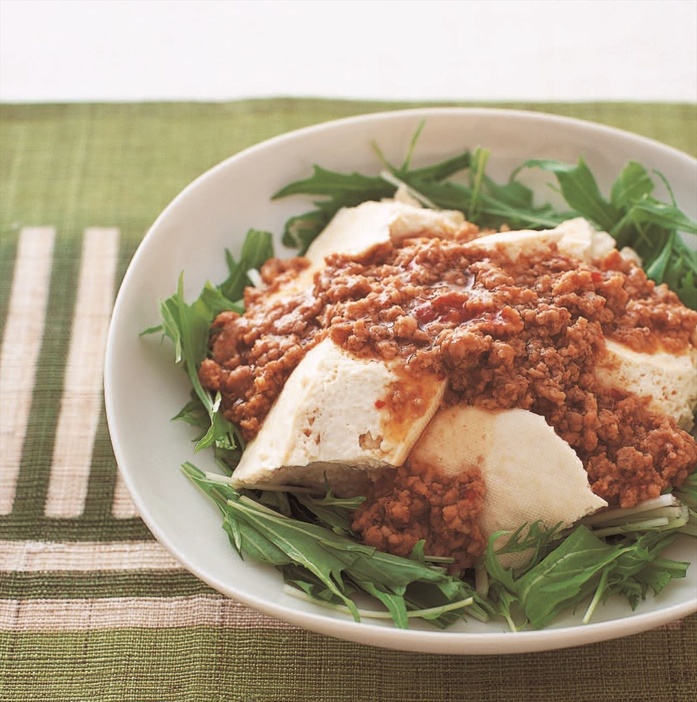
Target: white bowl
144,389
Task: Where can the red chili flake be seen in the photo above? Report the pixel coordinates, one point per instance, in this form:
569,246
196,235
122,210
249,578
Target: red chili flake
425,313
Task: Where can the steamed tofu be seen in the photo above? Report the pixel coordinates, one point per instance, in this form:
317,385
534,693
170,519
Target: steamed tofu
333,422
668,380
530,473
581,240
357,230
575,237
514,244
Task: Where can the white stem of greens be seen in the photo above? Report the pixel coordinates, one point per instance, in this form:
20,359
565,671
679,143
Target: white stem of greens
481,581
217,478
393,180
229,480
596,599
374,613
665,512
292,489
620,515
439,560
254,275
646,525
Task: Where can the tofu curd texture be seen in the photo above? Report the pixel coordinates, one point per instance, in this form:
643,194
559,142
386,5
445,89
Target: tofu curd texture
500,322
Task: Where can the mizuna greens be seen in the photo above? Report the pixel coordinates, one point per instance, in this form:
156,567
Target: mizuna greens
632,214
313,548
308,537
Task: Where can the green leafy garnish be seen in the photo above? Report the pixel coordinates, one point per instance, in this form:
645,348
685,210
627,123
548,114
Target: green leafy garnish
632,215
561,572
328,565
583,565
188,326
483,201
635,218
340,190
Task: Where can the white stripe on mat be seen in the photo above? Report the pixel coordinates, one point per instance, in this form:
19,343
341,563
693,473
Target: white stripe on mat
24,333
38,556
122,507
82,391
49,615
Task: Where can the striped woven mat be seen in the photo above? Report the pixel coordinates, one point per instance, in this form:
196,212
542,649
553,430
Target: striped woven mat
91,607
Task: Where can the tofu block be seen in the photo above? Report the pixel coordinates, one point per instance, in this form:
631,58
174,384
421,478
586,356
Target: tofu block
529,472
668,380
356,230
575,237
333,418
581,240
513,245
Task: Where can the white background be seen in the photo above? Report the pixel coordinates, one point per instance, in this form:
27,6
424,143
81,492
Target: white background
571,50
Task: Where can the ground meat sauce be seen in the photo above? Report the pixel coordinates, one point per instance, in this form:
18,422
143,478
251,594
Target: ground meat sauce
416,503
523,334
253,354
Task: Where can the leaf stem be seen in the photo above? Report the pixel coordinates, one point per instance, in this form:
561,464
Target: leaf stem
378,613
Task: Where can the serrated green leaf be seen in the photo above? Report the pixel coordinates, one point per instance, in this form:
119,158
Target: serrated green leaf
338,562
580,190
256,250
632,185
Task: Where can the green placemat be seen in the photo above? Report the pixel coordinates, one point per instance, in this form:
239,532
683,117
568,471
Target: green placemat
91,608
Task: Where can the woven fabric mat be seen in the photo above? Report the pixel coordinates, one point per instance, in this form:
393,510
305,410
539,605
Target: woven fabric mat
91,607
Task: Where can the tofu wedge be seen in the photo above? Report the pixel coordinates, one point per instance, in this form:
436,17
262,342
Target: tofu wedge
515,244
333,422
530,473
668,380
581,240
357,230
575,237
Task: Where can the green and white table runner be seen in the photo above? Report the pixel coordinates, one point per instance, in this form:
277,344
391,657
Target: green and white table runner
91,607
